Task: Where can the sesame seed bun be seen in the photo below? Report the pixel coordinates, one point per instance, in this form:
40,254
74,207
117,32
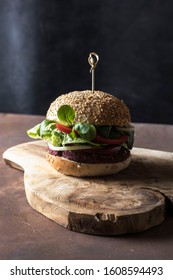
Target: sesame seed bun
72,168
98,108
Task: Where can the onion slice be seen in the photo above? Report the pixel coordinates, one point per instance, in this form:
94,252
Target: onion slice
71,148
128,128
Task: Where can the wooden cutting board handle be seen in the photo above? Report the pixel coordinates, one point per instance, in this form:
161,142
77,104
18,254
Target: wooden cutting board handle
129,202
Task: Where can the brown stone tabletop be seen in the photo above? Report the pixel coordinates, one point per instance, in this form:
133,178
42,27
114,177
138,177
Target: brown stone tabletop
26,234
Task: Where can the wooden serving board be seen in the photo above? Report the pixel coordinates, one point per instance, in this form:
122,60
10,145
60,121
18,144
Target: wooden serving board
131,201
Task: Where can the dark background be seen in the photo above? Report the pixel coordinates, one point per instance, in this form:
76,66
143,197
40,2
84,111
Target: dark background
44,47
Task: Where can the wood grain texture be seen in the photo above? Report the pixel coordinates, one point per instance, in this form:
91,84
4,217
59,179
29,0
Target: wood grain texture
132,201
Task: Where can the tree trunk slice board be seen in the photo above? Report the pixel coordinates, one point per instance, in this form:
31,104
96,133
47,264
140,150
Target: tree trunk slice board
131,201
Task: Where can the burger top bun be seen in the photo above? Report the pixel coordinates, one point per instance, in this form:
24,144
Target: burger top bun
98,108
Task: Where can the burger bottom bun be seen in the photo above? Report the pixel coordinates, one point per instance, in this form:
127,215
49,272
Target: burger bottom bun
72,168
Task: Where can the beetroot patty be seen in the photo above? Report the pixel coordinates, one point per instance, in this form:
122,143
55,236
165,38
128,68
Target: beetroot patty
89,156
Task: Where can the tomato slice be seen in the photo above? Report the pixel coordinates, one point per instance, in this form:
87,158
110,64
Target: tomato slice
115,141
64,128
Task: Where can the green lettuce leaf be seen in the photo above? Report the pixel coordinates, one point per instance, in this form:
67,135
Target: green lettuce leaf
85,130
72,139
34,132
66,115
130,141
108,131
46,128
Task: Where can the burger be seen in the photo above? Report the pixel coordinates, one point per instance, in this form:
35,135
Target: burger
87,133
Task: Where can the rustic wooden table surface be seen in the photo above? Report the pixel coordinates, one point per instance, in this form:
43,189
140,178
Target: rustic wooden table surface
26,234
